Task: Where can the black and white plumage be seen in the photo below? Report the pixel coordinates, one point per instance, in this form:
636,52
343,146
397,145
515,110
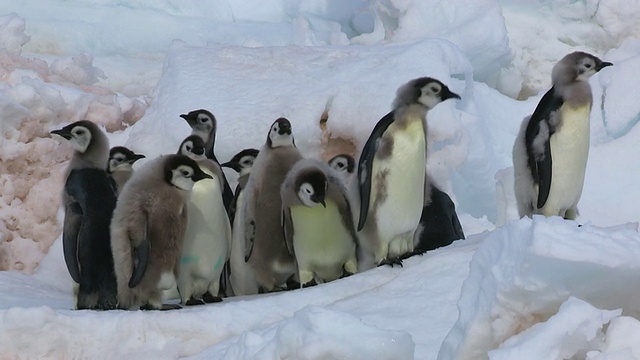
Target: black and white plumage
391,172
550,152
439,224
265,248
120,165
148,229
89,199
204,124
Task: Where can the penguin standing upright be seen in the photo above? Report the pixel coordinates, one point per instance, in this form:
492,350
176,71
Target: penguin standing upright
204,125
318,223
207,240
265,248
148,230
391,172
89,200
551,149
120,166
240,275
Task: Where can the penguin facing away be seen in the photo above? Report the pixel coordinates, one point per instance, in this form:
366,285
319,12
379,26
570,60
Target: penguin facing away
204,124
89,200
391,172
550,152
120,165
238,274
148,229
207,239
318,222
265,249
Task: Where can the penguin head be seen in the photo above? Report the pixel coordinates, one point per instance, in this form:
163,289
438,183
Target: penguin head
342,163
183,172
202,122
426,91
193,147
242,161
79,133
121,159
311,187
577,66
280,134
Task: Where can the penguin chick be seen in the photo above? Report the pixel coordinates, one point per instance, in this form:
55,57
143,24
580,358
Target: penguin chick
148,229
120,165
89,200
204,125
237,273
265,248
318,223
207,239
550,152
391,172
343,164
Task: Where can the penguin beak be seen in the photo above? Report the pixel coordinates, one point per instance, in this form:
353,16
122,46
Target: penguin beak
187,119
200,175
231,165
323,203
62,132
450,95
603,65
135,157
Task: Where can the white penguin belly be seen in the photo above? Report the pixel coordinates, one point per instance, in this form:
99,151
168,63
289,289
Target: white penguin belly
208,235
569,151
400,211
321,242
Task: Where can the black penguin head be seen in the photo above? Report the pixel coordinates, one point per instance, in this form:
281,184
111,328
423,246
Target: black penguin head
577,66
79,133
426,91
201,121
280,134
121,158
342,163
193,147
182,172
242,161
311,187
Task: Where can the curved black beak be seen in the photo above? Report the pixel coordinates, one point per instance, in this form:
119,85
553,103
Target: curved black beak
200,175
450,95
135,157
232,165
603,65
62,132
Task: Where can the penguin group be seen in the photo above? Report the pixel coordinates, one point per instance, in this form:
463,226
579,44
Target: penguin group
292,222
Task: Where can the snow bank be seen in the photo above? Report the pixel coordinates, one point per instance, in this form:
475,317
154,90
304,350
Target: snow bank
525,270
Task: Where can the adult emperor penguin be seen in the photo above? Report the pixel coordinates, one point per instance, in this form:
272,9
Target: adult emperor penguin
318,222
204,124
148,228
120,166
89,200
551,149
207,240
265,248
391,172
239,275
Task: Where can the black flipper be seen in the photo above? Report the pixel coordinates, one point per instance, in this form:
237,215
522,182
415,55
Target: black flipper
140,255
287,229
439,223
227,193
365,166
72,224
234,205
540,164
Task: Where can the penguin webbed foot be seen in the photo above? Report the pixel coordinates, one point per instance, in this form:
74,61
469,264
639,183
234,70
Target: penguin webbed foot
292,284
164,307
209,298
194,302
391,262
310,283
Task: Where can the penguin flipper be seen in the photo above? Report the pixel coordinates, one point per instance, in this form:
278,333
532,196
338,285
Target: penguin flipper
233,207
140,255
70,232
287,228
541,126
365,166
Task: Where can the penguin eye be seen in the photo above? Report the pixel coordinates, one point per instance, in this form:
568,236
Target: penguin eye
434,89
588,66
185,173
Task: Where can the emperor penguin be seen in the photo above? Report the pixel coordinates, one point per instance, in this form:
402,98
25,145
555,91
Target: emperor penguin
207,240
343,163
265,248
239,276
391,172
551,149
318,222
89,200
120,166
204,125
148,228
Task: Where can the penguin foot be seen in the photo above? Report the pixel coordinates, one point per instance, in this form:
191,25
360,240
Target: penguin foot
208,298
391,262
310,283
193,301
292,284
345,274
164,307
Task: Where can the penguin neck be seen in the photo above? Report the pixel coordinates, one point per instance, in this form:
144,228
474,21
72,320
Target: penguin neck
576,94
406,114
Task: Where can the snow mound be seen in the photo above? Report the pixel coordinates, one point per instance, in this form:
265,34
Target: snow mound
524,271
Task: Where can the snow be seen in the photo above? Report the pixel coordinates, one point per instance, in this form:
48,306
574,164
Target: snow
516,288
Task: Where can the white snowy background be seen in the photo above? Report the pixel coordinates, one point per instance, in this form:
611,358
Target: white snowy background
515,289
